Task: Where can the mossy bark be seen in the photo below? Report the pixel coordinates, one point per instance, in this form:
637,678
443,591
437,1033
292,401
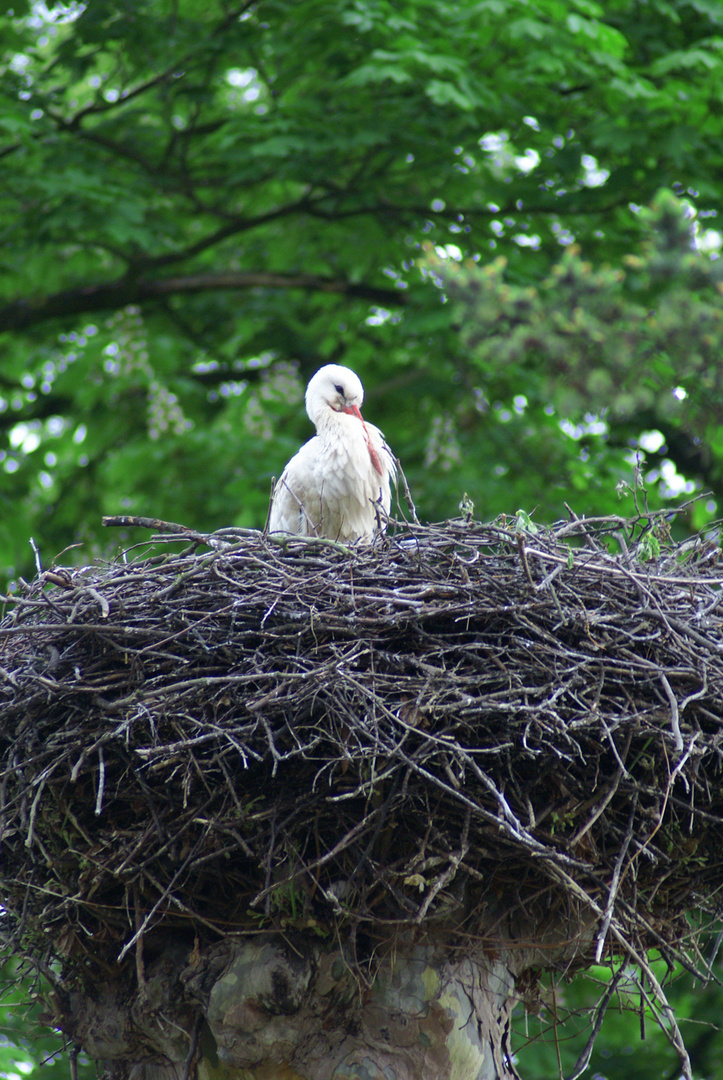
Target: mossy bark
272,1008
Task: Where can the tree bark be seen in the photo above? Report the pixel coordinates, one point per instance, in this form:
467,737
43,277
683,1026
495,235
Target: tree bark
272,1008
23,313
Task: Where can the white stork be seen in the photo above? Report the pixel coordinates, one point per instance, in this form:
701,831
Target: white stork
338,480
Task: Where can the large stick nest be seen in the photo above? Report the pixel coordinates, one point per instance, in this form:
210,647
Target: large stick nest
460,723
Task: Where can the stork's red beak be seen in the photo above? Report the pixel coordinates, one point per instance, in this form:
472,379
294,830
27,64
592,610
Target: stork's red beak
353,410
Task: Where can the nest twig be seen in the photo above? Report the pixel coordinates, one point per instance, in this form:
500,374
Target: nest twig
284,734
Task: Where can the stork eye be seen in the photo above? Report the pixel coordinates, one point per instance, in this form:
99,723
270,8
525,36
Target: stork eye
339,390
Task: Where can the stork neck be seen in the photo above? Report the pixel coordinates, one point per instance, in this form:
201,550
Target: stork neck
331,420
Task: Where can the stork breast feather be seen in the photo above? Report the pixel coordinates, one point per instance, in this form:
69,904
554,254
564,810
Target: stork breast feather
342,466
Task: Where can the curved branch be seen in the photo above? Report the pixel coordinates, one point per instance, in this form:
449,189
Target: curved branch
21,314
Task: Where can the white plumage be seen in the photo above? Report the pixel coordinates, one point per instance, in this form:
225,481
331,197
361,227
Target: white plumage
338,480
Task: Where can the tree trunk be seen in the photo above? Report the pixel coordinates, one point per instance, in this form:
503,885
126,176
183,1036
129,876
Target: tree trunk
268,1008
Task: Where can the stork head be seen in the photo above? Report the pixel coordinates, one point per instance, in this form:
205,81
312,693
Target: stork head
333,387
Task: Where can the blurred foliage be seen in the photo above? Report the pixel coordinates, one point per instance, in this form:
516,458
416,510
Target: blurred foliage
495,212
28,1047
638,344
632,1043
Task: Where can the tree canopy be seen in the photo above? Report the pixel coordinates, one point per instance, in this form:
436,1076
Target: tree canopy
203,203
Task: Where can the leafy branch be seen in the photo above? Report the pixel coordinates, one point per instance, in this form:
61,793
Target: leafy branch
22,314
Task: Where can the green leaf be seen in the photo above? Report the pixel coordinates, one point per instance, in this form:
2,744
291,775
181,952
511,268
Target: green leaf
446,93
